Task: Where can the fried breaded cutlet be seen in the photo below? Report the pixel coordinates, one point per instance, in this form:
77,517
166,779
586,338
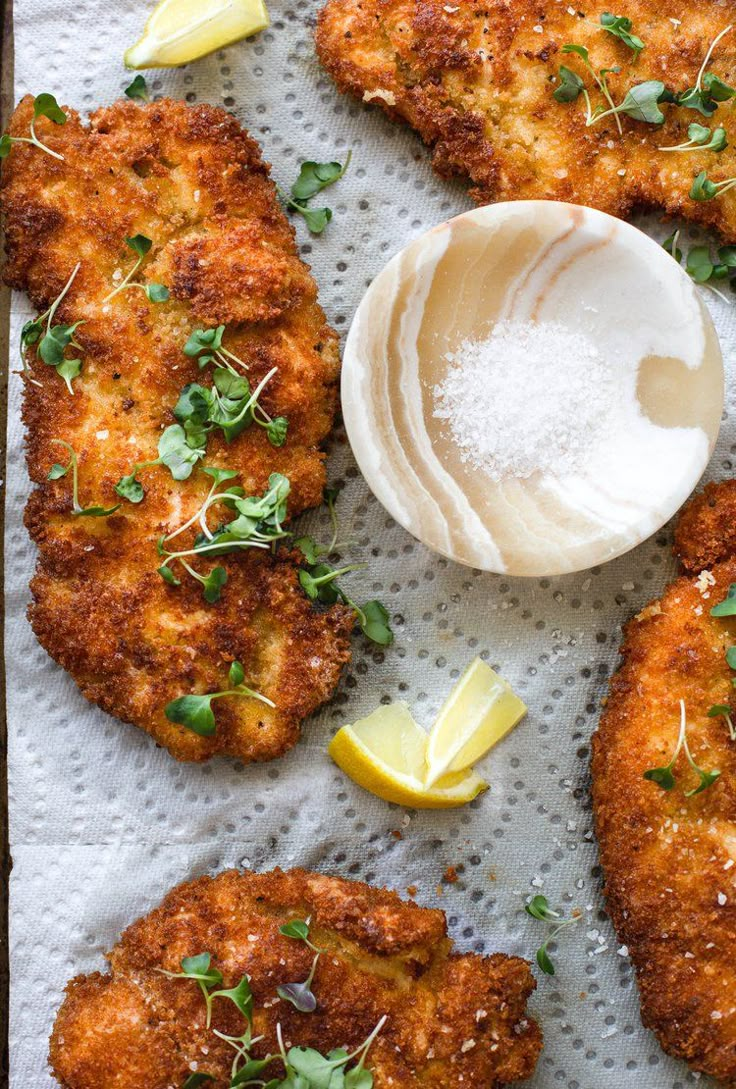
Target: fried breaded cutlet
190,180
476,81
668,858
445,1018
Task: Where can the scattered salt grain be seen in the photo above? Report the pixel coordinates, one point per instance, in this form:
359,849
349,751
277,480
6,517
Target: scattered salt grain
532,397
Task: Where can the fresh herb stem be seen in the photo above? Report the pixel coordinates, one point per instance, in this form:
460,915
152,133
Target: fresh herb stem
58,471
44,105
709,54
664,776
538,907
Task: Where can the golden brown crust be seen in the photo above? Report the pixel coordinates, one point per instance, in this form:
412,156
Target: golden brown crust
476,81
193,181
452,1019
668,860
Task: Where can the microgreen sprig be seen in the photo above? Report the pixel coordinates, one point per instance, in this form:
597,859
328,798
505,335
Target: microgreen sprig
664,776
709,90
703,188
300,994
52,344
571,85
157,293
304,1067
319,581
700,138
313,178
701,266
58,471
722,710
538,907
44,105
620,27
727,607
195,711
138,89
259,523
641,103
199,968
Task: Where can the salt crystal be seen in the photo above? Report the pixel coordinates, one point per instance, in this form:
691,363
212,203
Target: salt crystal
502,430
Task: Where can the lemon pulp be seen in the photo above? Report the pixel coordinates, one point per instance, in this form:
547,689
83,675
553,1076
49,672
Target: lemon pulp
385,754
180,31
480,710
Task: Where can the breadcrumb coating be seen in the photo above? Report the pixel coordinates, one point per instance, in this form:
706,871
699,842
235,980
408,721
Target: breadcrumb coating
194,182
451,1018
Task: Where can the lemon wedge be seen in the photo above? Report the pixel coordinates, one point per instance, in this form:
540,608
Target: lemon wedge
480,710
385,754
180,31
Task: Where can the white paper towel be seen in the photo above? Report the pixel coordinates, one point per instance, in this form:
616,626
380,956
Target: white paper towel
103,823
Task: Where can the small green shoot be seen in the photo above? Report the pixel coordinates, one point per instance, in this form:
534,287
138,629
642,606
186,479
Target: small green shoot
701,138
138,89
620,27
313,178
538,907
156,293
664,776
44,105
195,711
58,471
709,90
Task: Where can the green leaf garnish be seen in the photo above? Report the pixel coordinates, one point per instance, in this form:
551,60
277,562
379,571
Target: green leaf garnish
731,657
304,1068
571,85
295,928
51,341
664,776
176,453
140,244
373,618
157,293
229,403
700,138
44,105
130,488
195,711
259,522
709,90
168,576
538,907
727,607
138,89
705,189
197,1079
313,178
300,994
201,340
620,27
641,103
57,471
722,710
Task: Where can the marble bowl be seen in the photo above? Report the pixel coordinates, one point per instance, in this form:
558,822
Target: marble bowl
539,261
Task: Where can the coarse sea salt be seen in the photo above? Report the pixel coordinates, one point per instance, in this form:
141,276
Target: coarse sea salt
531,397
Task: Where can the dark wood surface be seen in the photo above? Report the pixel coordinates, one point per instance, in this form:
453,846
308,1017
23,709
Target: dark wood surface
6,96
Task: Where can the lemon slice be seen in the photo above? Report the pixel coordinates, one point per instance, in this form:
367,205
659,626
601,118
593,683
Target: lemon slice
385,754
480,710
180,31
